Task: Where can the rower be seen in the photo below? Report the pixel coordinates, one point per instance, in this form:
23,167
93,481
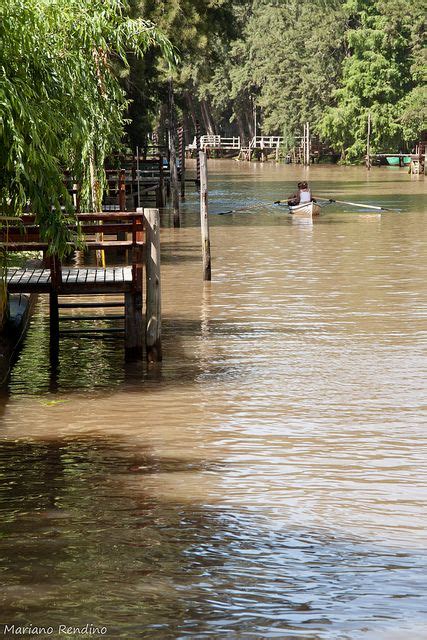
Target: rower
302,196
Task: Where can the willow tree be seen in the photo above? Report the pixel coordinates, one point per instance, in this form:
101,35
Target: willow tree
61,103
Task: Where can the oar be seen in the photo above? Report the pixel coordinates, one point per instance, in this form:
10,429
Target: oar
357,204
320,205
259,204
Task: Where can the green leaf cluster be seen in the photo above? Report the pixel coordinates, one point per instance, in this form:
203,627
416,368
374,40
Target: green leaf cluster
380,77
62,107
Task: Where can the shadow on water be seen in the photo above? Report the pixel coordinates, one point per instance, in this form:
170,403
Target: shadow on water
84,541
269,486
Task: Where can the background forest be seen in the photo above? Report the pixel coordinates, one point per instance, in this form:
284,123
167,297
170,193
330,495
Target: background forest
281,63
76,75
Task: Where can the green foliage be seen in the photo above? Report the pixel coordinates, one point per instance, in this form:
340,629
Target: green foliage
378,77
194,27
289,59
61,104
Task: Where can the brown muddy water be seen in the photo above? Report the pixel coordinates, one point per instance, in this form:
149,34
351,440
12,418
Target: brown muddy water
268,479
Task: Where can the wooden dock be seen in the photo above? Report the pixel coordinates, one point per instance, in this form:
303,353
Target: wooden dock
141,245
94,280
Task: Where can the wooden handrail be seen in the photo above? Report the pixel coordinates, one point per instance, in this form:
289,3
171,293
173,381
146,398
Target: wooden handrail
24,235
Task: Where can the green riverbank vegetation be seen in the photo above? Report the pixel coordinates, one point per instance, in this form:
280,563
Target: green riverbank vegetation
326,62
62,103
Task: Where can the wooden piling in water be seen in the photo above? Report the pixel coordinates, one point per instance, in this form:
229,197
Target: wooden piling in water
181,154
204,221
197,153
153,323
56,277
172,160
134,329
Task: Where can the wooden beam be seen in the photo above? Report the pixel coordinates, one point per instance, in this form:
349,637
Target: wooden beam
134,329
153,320
204,222
172,160
182,159
197,153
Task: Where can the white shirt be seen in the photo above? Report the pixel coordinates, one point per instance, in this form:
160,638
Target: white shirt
304,196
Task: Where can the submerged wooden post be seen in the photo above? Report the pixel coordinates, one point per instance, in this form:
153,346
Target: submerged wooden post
153,319
134,329
55,284
204,221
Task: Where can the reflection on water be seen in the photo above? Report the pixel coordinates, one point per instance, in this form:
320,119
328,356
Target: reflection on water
267,480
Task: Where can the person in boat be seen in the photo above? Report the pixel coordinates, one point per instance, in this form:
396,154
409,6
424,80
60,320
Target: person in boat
302,196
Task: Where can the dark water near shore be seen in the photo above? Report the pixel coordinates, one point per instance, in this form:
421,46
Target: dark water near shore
268,480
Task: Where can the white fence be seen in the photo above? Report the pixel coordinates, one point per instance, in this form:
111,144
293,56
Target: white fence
215,142
266,142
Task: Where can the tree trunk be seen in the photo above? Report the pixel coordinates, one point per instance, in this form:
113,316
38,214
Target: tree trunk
191,109
241,129
211,129
205,118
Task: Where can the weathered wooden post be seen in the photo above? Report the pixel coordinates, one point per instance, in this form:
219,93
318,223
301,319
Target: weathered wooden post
197,153
133,325
174,180
138,179
160,191
153,320
368,144
172,156
96,206
55,284
133,299
181,154
204,221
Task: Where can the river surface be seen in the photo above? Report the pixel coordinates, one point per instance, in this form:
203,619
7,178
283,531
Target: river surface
268,479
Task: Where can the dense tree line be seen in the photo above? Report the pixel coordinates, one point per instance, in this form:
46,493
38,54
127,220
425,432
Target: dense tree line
285,62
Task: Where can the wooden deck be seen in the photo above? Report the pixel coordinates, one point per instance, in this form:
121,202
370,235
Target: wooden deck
74,280
142,229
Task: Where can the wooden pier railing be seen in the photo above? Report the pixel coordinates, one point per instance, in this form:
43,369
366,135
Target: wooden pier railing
119,231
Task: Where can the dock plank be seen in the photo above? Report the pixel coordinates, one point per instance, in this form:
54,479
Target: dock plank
79,279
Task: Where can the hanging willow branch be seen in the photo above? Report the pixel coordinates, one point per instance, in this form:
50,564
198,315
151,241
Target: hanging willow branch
60,100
